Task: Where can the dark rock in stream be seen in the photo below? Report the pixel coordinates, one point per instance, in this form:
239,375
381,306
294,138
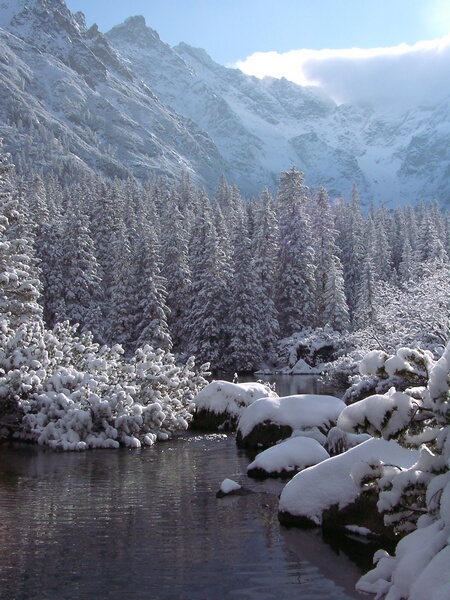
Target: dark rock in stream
263,435
239,492
207,420
362,513
258,473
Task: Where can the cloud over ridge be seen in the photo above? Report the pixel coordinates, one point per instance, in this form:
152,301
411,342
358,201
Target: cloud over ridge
395,77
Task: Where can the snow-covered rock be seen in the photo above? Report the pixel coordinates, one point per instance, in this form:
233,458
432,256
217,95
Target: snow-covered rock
269,420
221,403
301,367
229,487
329,486
287,458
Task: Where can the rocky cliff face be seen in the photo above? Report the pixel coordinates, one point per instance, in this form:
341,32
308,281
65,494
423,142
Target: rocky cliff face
127,103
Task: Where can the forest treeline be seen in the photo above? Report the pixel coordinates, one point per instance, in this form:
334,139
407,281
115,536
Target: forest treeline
224,278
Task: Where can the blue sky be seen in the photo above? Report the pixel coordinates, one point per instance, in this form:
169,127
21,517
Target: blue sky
387,53
232,30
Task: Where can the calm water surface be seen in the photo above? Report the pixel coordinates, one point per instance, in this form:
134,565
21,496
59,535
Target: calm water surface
146,524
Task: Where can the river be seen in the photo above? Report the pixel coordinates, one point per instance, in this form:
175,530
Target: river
146,524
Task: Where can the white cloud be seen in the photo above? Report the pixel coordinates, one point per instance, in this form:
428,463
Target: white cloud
399,76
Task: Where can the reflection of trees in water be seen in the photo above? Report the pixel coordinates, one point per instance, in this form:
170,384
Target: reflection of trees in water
137,520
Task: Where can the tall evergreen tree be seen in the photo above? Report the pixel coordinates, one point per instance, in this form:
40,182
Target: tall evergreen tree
382,257
331,305
351,242
265,253
121,306
175,268
19,281
151,315
365,309
405,268
82,297
208,310
295,298
245,348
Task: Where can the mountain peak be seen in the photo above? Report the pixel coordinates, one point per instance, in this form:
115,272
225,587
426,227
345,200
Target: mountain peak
136,22
22,15
46,24
134,30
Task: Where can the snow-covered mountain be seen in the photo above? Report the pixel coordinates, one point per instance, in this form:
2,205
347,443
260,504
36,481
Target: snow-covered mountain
126,102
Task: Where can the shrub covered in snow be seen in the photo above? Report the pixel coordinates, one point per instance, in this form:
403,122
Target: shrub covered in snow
379,371
415,500
73,394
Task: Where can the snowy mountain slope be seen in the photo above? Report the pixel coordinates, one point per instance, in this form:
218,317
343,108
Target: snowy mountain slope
65,85
126,102
264,126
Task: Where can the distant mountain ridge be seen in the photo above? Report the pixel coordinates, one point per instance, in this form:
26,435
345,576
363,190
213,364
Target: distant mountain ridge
126,103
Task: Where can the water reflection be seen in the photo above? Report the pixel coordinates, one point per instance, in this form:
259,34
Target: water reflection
146,523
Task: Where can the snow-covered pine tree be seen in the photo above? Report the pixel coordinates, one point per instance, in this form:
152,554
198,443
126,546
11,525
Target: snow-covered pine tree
351,242
265,253
430,250
365,314
106,211
121,305
331,304
295,297
225,198
82,294
245,348
207,316
19,281
45,226
150,293
382,256
175,268
405,267
21,324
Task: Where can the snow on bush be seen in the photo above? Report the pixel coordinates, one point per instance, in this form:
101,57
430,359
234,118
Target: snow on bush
338,441
381,412
308,351
414,500
74,394
380,371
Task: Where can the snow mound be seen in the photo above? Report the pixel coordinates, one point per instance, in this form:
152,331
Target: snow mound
300,412
293,454
228,485
301,367
231,398
330,482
